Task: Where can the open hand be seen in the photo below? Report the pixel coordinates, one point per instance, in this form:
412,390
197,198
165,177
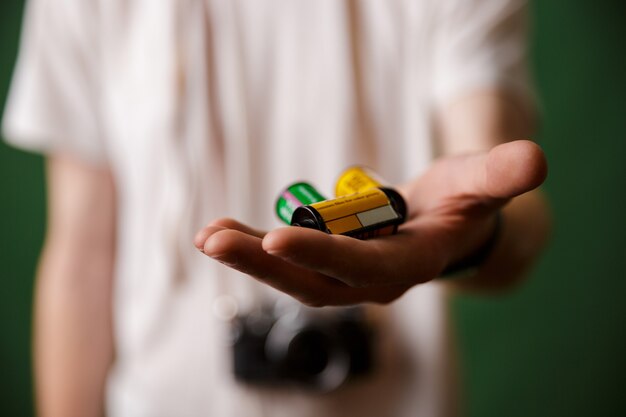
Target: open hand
451,213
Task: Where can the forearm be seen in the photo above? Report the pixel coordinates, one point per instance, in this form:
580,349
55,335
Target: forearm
73,330
477,123
73,322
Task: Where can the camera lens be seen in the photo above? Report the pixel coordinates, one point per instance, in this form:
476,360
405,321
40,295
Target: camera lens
308,353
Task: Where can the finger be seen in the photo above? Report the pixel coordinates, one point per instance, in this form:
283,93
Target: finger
244,253
224,223
203,234
228,223
504,172
514,168
408,257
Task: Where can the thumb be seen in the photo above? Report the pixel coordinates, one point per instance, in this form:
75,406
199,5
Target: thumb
512,169
504,172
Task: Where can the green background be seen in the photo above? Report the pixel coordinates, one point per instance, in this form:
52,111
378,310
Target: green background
555,347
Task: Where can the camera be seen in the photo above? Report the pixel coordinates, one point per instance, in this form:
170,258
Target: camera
318,349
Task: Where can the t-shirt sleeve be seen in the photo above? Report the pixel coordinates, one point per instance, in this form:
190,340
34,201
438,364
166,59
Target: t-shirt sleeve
481,44
53,103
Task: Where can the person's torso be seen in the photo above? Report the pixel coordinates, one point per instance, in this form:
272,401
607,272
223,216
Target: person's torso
210,109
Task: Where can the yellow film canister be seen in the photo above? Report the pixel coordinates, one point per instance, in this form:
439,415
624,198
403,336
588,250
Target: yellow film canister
361,215
357,179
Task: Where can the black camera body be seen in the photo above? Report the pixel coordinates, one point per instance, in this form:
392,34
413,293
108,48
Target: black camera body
302,347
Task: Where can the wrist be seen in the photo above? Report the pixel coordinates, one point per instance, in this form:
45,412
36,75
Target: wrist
469,265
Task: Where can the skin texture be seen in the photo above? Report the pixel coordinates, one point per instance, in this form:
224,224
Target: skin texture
452,210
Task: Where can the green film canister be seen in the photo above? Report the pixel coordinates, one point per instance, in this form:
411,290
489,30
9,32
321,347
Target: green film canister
294,196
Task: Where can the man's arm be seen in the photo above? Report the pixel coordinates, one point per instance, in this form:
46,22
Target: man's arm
73,321
452,211
476,123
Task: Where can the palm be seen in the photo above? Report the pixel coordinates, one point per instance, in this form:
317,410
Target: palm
451,213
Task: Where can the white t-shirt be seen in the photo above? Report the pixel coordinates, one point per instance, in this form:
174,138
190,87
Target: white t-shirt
208,108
